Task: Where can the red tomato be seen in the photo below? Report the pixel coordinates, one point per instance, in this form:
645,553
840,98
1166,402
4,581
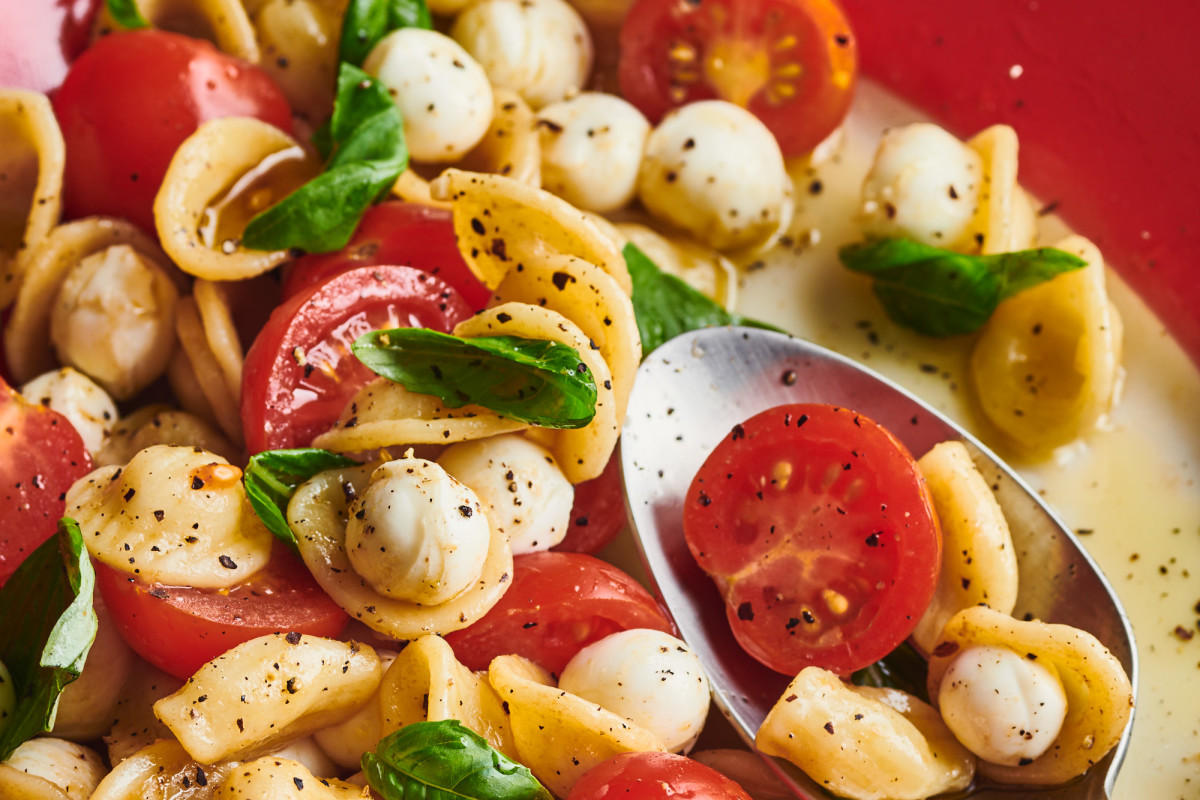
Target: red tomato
792,63
654,776
817,527
300,372
41,455
598,514
405,234
558,604
39,40
178,629
169,84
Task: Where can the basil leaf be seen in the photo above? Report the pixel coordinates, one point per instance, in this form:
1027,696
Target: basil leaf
902,669
530,380
271,479
368,21
47,625
445,760
126,14
666,306
365,141
942,293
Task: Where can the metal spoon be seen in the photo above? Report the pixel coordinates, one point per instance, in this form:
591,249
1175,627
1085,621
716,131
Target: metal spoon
691,391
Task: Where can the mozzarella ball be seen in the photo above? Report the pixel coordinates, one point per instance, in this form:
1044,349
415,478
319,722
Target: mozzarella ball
541,49
78,398
75,769
1003,707
592,148
443,93
519,485
712,169
113,320
648,677
416,533
924,185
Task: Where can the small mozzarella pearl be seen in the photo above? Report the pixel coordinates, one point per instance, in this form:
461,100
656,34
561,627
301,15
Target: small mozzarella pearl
443,94
78,398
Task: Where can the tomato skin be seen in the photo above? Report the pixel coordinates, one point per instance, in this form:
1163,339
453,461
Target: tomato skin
395,232
170,84
818,529
558,604
655,776
673,53
41,455
598,513
39,40
300,373
179,629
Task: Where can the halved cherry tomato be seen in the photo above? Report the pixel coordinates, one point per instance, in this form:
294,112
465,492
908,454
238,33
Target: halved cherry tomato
405,234
41,455
792,63
130,101
178,629
598,513
300,372
654,776
819,531
558,604
39,40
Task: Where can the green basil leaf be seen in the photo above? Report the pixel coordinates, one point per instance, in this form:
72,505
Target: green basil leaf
902,669
368,21
530,380
666,306
942,293
126,14
47,625
271,479
367,152
445,760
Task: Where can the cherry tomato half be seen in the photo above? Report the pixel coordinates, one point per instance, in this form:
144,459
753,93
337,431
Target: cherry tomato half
792,63
819,531
405,234
300,372
558,604
179,629
169,84
598,513
39,40
654,776
41,455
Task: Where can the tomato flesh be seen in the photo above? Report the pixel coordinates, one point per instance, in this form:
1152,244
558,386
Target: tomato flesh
300,372
41,455
405,234
792,63
558,604
655,776
179,629
816,526
598,512
169,84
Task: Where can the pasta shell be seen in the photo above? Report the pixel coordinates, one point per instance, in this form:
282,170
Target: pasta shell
299,42
153,425
18,785
1047,366
222,22
163,771
275,777
134,725
705,270
73,768
1005,220
317,515
559,735
32,157
1099,695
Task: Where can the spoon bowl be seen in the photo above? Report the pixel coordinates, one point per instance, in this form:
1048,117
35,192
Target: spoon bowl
692,390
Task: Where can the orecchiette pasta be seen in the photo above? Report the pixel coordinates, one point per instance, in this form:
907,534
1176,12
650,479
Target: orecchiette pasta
163,770
1099,695
979,564
173,515
299,43
222,22
1005,220
18,785
97,295
346,740
317,514
558,735
74,769
151,425
87,704
32,161
266,691
864,743
134,725
274,778
705,270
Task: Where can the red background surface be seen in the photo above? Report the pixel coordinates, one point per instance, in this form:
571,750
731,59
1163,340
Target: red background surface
1107,108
